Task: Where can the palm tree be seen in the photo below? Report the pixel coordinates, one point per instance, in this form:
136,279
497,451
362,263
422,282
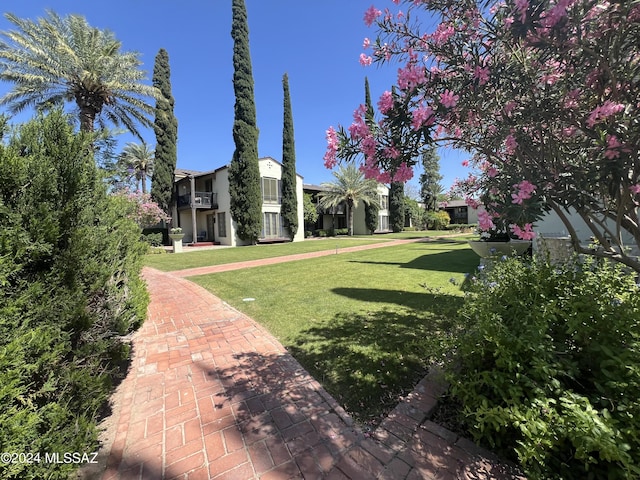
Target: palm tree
57,60
351,188
138,159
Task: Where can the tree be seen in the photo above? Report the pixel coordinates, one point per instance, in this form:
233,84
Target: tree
310,210
543,95
60,59
396,206
139,161
166,130
351,188
430,186
244,171
289,207
71,292
371,211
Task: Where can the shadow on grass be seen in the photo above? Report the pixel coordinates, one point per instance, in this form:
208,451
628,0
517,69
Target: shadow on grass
369,360
457,261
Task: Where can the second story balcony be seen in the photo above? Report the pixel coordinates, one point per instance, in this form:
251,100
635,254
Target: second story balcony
206,200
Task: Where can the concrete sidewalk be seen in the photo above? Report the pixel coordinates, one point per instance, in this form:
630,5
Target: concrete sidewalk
212,395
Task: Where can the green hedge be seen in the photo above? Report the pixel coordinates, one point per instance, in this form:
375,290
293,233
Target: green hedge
164,232
69,272
549,369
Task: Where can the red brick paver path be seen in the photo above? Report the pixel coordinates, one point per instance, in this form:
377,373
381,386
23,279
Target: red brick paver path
212,395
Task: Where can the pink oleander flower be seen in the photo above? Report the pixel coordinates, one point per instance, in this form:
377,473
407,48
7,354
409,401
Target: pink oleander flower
368,146
422,116
370,15
510,144
465,163
411,76
443,33
635,188
602,112
481,74
614,147
524,190
551,18
509,107
403,174
365,60
485,221
472,202
391,152
448,99
522,7
386,102
525,233
330,156
366,43
571,99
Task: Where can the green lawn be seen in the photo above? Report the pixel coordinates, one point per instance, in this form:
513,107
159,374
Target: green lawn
192,259
365,324
220,256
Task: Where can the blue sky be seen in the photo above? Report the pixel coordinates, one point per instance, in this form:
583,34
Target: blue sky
316,43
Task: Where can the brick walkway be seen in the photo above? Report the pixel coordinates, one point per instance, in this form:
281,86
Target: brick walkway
211,395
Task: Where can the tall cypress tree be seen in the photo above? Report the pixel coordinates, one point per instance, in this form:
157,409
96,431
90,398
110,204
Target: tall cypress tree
430,180
289,208
371,209
396,206
166,130
244,171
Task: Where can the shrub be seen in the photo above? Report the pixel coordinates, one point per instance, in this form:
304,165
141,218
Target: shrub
341,231
70,292
163,231
153,239
549,369
436,220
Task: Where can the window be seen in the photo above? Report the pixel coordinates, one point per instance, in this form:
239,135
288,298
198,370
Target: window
384,202
272,226
270,190
383,222
222,225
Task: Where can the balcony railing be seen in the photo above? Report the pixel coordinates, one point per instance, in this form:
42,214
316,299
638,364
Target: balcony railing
200,200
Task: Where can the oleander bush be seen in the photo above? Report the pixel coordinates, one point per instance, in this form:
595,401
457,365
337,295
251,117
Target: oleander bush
70,292
152,239
548,372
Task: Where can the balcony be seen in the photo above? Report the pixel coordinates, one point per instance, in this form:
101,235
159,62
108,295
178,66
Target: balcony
205,200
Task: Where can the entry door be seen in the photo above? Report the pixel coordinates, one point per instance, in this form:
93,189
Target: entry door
211,220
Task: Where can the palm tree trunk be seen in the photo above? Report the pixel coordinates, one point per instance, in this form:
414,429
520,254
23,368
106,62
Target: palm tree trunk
87,116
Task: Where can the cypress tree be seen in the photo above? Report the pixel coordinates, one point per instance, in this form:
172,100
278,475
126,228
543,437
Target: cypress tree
430,180
244,171
289,208
371,209
166,130
396,206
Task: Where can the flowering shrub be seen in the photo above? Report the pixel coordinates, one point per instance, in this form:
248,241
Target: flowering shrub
543,94
549,369
144,211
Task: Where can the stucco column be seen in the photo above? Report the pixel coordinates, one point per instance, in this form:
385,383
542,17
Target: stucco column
194,226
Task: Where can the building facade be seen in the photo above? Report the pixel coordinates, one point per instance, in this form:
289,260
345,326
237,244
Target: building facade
203,205
336,218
